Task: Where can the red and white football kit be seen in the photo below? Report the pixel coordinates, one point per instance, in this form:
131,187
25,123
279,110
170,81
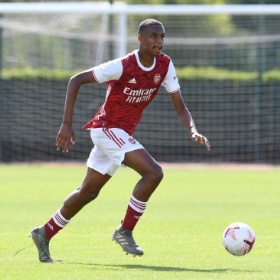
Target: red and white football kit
130,88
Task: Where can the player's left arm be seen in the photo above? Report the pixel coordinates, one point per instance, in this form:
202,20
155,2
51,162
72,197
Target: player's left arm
186,118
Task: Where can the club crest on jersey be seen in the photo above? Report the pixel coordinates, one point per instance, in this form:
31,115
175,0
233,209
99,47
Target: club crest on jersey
131,140
157,78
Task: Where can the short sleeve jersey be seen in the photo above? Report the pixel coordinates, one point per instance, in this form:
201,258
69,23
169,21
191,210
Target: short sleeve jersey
130,88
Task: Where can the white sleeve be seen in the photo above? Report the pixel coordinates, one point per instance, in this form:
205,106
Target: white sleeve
170,81
111,70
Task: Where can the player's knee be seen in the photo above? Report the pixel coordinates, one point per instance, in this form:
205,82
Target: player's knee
156,175
88,195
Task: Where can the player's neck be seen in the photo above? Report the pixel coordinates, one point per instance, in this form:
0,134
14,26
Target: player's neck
146,60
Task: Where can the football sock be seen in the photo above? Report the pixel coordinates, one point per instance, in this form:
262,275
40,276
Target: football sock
55,224
134,211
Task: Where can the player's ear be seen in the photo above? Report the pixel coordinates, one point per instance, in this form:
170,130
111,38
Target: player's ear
140,38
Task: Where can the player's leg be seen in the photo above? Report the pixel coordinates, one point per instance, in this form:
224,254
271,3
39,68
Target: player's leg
151,172
88,191
122,148
151,175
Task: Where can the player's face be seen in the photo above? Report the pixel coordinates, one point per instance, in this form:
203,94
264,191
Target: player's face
152,39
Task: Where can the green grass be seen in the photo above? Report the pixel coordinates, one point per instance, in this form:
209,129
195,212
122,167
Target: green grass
181,231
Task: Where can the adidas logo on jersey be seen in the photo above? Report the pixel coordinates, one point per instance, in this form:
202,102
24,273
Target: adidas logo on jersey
133,81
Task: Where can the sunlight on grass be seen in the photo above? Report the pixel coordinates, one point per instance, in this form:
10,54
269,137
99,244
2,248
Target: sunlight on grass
181,231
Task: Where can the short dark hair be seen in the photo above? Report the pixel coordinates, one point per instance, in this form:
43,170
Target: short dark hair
146,24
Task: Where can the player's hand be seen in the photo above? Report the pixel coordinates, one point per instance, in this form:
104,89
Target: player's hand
201,139
64,138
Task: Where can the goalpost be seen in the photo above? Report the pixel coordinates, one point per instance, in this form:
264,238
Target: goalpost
122,10
227,59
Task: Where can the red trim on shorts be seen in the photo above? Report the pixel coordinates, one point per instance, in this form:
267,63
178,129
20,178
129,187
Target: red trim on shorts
105,131
115,137
111,135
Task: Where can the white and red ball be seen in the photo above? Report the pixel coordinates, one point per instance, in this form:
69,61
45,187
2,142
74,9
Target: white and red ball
239,239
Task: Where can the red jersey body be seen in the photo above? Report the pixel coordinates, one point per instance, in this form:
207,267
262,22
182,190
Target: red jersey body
130,94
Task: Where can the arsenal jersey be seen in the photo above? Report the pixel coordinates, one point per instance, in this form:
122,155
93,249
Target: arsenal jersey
130,88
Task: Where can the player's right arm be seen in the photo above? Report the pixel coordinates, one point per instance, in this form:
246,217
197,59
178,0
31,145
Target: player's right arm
111,70
66,133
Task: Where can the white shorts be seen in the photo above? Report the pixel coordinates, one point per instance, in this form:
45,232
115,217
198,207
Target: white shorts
110,147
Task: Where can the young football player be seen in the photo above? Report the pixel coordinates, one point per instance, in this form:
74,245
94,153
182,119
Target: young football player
132,83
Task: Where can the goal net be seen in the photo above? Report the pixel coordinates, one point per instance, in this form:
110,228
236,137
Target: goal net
227,64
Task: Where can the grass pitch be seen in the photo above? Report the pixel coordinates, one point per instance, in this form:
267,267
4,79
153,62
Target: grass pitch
180,232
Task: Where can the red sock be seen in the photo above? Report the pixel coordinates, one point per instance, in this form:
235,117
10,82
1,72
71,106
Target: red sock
55,224
134,211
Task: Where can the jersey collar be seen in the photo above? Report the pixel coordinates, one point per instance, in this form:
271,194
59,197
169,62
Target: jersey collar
135,52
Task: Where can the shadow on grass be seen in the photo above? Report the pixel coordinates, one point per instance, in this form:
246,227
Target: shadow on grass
167,268
161,268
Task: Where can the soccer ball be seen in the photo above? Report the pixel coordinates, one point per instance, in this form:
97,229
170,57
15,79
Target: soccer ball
238,239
